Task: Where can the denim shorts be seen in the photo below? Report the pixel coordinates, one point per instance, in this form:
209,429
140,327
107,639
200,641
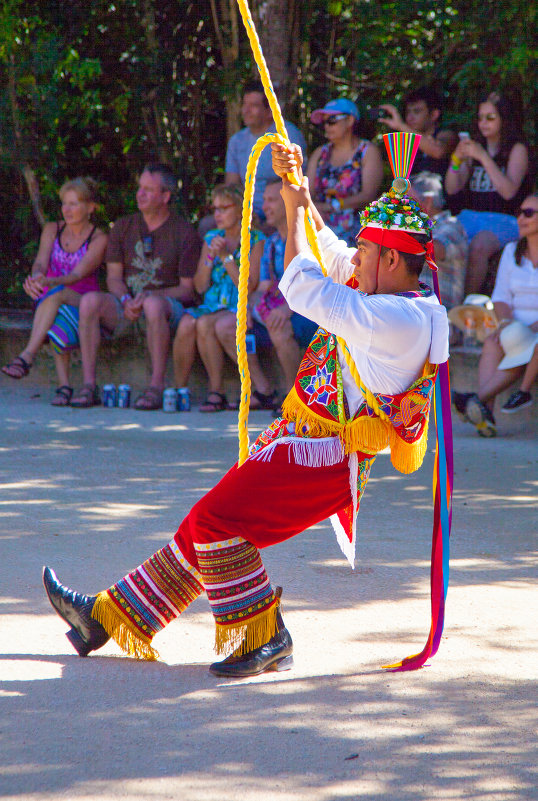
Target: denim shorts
504,226
303,331
124,326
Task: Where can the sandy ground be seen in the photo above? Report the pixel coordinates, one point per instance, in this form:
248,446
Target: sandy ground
93,493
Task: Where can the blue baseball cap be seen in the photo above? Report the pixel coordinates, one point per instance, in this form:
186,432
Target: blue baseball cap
340,106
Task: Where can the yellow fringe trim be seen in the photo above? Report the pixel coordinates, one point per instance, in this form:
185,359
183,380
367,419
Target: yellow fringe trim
119,627
241,637
366,434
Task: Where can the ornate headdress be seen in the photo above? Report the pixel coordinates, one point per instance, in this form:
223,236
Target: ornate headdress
391,220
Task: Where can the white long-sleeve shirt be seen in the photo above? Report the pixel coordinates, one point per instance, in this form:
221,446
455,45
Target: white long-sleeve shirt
389,336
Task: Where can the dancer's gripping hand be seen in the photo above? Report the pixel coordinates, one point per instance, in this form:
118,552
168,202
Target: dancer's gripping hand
287,159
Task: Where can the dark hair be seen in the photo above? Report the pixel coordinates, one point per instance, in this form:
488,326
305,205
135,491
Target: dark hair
256,86
414,263
511,114
168,179
429,94
274,180
522,243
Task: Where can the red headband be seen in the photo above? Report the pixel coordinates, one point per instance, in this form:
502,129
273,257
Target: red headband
391,238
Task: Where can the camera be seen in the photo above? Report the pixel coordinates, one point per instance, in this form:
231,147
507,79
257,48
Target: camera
377,113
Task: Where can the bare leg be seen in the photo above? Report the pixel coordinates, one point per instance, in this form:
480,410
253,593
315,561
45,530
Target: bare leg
95,308
288,352
225,330
210,349
43,319
482,246
157,312
491,381
62,362
531,371
184,349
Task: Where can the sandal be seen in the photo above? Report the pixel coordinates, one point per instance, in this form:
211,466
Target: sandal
21,367
149,400
264,401
219,405
87,397
63,396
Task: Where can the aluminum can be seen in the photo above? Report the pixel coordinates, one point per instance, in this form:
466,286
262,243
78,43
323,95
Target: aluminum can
183,400
109,396
169,400
124,396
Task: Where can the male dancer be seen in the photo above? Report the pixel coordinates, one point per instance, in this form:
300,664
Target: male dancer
349,401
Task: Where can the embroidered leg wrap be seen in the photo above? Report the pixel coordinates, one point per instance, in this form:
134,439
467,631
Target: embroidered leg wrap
239,593
138,606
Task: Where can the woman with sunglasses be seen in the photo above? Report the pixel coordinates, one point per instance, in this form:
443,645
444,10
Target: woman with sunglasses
346,173
516,299
492,172
207,326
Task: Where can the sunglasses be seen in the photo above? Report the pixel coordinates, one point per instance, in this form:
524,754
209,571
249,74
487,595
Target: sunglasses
527,212
334,118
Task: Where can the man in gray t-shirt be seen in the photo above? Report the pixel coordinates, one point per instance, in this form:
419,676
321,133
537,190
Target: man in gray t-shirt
258,120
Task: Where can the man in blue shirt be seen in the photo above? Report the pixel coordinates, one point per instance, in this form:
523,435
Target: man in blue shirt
274,322
258,120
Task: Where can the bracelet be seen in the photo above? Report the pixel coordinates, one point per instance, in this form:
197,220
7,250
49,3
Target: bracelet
228,258
209,258
125,297
455,162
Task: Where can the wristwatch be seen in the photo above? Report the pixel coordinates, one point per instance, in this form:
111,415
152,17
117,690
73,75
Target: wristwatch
228,258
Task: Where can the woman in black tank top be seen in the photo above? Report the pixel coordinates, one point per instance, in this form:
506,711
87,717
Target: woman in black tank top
493,172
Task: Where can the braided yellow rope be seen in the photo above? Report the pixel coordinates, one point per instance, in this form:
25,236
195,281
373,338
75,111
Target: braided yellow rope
282,138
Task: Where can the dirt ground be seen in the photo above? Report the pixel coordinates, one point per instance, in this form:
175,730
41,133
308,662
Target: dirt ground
92,493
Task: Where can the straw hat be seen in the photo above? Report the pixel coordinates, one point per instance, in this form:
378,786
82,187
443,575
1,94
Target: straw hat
477,314
518,342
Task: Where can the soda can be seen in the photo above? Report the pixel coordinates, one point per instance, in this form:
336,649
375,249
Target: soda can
183,400
124,396
109,396
169,400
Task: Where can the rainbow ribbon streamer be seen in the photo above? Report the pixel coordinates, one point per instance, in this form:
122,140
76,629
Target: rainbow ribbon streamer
402,149
443,481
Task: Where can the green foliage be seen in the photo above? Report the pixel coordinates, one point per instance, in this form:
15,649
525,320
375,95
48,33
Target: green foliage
100,88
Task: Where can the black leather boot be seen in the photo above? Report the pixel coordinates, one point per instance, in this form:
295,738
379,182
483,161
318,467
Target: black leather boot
85,634
274,655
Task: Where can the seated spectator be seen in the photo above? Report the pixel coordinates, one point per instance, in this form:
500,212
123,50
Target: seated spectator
449,239
423,110
346,173
515,297
258,120
151,257
65,268
274,322
216,279
493,169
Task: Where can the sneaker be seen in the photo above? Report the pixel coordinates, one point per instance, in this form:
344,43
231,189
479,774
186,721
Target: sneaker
481,417
517,400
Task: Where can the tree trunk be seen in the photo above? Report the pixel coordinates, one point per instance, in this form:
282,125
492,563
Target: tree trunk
226,23
275,24
22,163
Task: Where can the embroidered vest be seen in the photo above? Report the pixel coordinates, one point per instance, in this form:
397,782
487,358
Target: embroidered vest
317,406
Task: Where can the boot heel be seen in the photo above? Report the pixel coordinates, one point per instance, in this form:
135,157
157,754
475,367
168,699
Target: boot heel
283,664
82,648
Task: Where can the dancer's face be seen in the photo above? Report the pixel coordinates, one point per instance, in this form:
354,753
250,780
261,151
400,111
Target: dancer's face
365,264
